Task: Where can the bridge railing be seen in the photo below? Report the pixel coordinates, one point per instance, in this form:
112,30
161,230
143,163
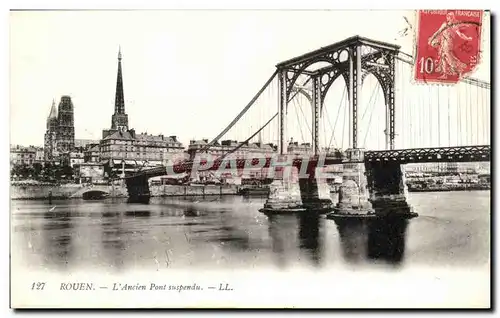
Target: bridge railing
438,154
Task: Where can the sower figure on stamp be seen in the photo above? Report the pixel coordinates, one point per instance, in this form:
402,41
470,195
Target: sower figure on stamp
448,63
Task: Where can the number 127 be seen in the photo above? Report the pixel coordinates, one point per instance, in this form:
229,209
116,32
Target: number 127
37,286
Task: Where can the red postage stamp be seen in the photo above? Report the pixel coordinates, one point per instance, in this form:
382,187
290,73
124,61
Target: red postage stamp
448,44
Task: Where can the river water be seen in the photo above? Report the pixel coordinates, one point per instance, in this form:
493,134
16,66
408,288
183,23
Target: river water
453,229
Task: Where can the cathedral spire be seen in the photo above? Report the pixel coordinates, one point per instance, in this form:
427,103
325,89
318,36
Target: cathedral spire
53,113
119,99
119,120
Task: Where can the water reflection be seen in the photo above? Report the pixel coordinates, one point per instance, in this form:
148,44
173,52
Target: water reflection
287,232
191,212
227,230
387,239
143,213
372,239
309,224
140,200
57,236
232,233
112,237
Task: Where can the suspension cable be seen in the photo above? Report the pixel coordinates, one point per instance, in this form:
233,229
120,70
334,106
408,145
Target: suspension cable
439,118
328,118
343,128
483,117
238,117
480,117
298,91
466,118
371,97
324,124
459,117
449,121
247,140
429,115
402,102
369,123
298,120
488,114
487,106
305,118
342,103
477,119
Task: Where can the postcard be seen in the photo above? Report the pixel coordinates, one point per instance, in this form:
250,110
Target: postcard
240,159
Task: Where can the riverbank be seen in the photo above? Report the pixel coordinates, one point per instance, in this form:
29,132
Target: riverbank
486,188
426,187
76,191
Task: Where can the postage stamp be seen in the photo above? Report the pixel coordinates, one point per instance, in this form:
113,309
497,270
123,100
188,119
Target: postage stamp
448,45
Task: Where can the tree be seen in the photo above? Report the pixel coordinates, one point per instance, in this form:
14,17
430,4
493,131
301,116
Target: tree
48,172
37,170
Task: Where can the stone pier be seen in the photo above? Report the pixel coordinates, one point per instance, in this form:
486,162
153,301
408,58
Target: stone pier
368,190
371,190
284,196
294,194
138,189
354,194
372,213
315,195
388,190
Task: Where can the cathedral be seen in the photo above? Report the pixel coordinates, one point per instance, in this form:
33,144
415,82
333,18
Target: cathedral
121,146
60,133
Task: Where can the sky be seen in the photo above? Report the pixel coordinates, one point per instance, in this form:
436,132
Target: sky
185,73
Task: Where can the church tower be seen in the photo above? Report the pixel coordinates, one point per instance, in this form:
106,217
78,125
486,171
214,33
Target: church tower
66,125
119,120
50,141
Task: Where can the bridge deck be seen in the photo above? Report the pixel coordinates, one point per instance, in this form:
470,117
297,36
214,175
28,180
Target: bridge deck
403,156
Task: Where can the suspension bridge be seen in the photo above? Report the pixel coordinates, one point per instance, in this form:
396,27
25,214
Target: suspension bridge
352,103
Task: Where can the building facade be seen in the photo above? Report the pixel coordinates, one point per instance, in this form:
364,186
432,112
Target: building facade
84,143
89,172
295,148
92,153
254,150
20,155
141,149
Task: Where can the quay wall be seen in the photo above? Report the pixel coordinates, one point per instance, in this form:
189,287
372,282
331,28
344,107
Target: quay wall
39,192
192,190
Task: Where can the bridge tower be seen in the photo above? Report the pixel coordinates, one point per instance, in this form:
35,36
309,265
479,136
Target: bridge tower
363,190
353,59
